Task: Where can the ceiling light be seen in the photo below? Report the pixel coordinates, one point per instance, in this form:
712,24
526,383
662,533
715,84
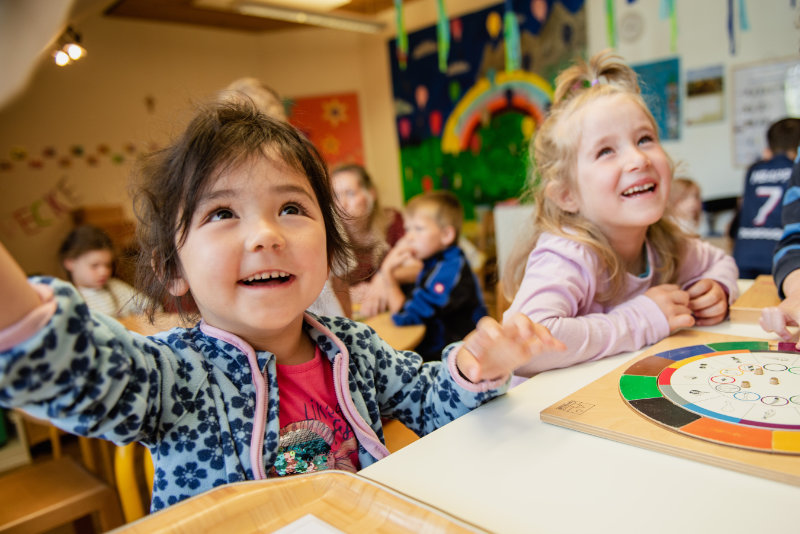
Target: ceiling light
313,5
61,58
69,48
313,18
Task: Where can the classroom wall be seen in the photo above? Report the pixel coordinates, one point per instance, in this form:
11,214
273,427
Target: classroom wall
100,103
71,138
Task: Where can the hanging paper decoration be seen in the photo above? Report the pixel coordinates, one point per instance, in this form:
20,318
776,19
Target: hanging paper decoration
511,35
667,10
744,24
610,24
402,37
443,36
731,34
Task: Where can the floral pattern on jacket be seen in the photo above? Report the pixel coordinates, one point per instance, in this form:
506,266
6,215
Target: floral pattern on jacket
189,394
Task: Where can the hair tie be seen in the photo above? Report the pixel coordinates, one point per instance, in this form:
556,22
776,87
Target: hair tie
585,84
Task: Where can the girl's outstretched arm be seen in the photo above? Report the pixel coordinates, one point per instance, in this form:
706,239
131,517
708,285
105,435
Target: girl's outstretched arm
494,351
17,296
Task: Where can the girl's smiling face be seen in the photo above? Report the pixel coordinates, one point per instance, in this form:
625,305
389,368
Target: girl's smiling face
255,252
622,175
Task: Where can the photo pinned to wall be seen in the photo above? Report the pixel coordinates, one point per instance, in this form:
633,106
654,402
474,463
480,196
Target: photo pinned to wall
660,82
332,123
704,95
760,93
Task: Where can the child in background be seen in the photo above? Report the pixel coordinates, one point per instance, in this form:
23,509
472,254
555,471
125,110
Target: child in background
686,204
446,297
87,255
238,214
605,271
758,227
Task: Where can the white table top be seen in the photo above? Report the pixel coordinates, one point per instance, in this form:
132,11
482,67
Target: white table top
503,469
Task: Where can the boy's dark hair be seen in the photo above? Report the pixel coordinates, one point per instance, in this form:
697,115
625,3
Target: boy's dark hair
83,239
171,181
784,136
447,210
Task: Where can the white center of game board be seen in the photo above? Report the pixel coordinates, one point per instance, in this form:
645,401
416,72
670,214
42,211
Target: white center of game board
759,388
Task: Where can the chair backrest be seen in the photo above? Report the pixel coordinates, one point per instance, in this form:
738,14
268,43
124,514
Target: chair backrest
133,470
509,222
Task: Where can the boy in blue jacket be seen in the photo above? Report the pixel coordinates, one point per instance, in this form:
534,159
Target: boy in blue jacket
446,297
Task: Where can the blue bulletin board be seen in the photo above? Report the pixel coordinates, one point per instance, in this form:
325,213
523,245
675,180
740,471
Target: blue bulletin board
660,82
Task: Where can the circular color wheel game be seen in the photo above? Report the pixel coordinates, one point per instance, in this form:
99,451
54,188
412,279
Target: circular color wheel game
739,393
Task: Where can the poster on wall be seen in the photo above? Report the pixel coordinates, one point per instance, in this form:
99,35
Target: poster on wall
660,82
704,95
466,127
333,123
760,98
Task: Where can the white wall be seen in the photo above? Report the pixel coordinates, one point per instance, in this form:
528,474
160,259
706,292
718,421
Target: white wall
706,149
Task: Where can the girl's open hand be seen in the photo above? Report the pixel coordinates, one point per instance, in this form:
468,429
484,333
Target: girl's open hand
708,302
493,351
674,303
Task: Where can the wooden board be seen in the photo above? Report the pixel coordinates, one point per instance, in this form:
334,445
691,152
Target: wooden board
345,501
747,308
599,409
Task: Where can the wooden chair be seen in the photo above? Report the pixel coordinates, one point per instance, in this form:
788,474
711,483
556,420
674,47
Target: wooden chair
133,470
58,491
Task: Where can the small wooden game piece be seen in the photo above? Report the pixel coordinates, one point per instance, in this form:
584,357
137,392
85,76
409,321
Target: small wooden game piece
759,371
745,384
774,381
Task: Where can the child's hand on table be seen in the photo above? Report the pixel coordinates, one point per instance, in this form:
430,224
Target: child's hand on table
493,351
777,318
787,313
708,302
674,303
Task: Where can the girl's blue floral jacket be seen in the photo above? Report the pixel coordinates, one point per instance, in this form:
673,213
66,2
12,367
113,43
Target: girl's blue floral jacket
201,399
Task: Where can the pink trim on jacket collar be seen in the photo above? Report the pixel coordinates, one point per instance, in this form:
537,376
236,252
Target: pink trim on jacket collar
366,436
260,383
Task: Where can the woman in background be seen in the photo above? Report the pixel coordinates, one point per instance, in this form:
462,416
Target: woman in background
373,230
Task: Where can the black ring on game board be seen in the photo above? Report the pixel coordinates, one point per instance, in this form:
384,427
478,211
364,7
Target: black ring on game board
646,387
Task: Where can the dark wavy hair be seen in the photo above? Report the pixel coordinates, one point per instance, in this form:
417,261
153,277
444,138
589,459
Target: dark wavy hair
169,183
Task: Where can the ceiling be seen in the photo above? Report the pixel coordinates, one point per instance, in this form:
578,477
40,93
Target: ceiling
223,16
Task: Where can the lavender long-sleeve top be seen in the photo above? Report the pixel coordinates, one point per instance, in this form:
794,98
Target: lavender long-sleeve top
560,287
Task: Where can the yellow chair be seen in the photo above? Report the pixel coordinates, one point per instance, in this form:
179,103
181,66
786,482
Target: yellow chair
133,470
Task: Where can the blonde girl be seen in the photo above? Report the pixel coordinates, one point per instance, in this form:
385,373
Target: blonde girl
604,269
237,216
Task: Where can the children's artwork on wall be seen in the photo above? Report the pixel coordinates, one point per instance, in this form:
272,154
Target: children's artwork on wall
467,129
704,95
759,99
660,82
332,123
57,179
